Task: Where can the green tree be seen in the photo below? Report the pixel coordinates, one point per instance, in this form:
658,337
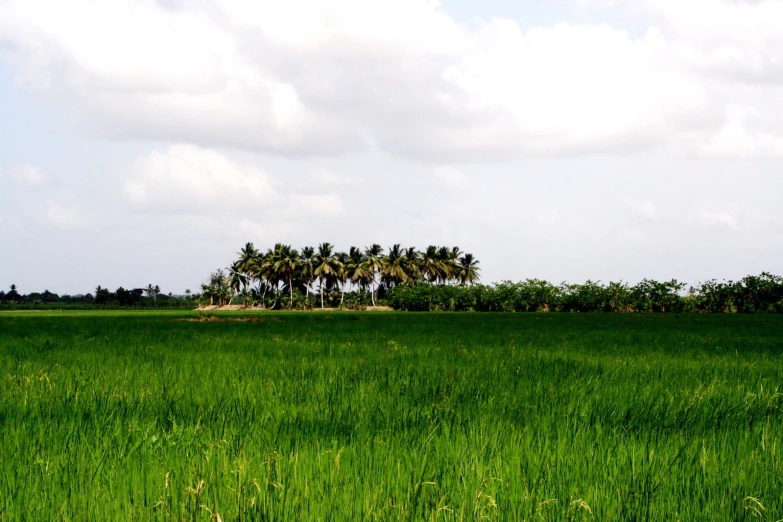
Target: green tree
245,264
286,261
13,294
327,268
356,269
373,265
468,270
343,265
393,271
307,268
236,280
430,265
411,265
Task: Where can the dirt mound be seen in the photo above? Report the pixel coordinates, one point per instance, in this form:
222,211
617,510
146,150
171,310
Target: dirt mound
222,308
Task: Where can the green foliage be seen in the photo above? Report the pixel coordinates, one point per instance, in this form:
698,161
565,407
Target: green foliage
752,294
102,298
333,275
163,416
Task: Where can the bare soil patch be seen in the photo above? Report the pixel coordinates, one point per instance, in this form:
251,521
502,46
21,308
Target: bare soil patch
240,308
216,319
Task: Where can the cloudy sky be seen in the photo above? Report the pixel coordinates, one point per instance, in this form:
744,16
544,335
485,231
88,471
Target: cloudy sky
144,141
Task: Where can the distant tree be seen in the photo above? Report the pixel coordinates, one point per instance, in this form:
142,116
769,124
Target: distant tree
217,289
373,256
468,270
307,263
356,269
393,270
102,295
343,262
282,268
13,294
286,262
236,280
411,265
327,268
245,264
430,265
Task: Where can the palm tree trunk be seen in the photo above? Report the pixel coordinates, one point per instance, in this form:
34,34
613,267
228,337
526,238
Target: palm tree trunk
322,293
291,287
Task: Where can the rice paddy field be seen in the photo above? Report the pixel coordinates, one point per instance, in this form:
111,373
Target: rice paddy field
180,416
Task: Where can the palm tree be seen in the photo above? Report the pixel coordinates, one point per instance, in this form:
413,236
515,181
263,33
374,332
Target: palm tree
468,271
326,267
452,261
286,261
356,269
393,272
307,268
374,265
362,269
410,264
430,265
343,261
150,290
247,256
447,263
263,270
236,280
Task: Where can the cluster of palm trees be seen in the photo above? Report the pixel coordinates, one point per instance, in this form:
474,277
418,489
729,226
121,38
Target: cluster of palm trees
323,271
152,291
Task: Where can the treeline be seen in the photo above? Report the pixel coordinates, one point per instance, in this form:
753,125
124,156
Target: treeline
150,297
285,277
751,294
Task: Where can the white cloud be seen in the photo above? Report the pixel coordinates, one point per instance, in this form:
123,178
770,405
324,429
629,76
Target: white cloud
186,179
742,135
328,78
644,209
452,177
329,179
322,205
23,176
740,218
729,219
546,216
193,179
66,216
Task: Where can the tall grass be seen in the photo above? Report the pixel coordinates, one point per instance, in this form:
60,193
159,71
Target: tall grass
146,416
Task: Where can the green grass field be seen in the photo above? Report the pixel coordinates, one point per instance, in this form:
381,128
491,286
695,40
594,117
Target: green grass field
384,416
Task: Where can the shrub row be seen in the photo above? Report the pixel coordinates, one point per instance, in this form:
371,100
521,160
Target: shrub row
751,294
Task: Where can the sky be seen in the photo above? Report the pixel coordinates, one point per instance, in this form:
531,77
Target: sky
145,141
